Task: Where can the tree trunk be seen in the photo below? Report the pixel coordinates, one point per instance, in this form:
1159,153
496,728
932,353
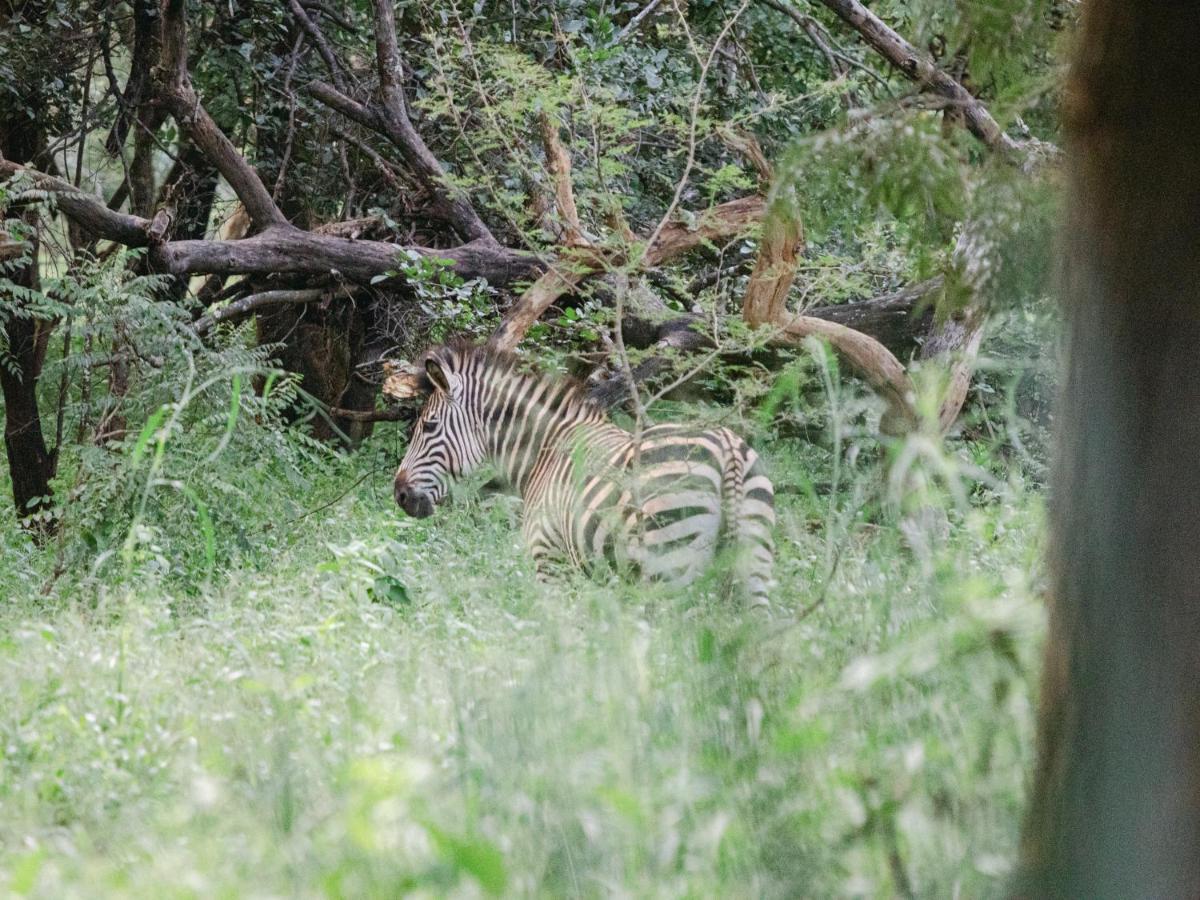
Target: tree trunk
1115,803
30,463
191,188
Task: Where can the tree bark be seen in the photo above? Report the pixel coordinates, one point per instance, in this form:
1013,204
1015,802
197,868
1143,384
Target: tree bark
895,319
1115,802
30,463
920,68
279,249
388,115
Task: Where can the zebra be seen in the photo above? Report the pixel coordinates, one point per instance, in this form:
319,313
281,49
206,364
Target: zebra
659,505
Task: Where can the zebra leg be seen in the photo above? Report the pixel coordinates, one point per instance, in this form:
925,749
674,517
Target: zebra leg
753,538
550,564
551,569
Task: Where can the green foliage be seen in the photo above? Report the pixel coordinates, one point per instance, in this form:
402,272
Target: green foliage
233,669
361,704
453,305
206,425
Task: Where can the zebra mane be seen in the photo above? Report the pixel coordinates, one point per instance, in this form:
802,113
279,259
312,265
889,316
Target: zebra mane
463,350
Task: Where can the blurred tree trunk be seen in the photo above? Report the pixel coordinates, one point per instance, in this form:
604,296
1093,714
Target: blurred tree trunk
1115,803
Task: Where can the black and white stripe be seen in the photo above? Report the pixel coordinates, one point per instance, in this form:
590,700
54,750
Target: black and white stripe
661,505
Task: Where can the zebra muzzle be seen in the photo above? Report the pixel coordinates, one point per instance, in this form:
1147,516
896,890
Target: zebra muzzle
413,501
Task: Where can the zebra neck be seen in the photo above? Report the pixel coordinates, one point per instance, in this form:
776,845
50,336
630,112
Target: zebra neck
531,415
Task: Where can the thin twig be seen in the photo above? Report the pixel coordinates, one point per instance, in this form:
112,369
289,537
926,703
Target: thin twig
694,119
636,21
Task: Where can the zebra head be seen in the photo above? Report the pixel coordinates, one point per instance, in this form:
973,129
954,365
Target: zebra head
447,438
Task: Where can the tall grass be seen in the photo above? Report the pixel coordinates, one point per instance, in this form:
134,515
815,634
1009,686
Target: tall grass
335,700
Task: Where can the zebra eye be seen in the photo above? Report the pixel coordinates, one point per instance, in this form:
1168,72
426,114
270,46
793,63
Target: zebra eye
429,426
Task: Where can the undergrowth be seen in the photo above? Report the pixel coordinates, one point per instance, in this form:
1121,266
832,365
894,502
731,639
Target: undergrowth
300,692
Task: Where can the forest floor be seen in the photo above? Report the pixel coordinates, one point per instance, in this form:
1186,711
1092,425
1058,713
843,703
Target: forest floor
362,704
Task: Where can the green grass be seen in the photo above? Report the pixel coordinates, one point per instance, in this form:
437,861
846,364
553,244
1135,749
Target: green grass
357,704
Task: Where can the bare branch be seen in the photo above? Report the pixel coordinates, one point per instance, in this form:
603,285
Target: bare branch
176,91
388,116
255,302
86,210
279,249
765,305
748,145
364,115
779,251
871,359
719,223
633,23
921,69
559,163
336,72
403,381
559,279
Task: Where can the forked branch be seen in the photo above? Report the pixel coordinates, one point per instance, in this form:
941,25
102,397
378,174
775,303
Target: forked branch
176,92
387,115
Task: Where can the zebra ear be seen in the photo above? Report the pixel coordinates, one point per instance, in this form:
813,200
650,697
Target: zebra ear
437,374
404,381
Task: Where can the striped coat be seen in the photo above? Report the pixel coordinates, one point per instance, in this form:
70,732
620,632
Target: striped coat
661,505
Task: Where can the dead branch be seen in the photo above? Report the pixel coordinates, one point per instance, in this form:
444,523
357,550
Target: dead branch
253,303
921,69
636,20
87,211
175,90
403,381
870,358
281,249
558,161
894,319
388,115
719,223
779,250
560,278
765,305
748,145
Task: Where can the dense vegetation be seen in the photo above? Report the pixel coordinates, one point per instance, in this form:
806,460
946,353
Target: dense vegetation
231,666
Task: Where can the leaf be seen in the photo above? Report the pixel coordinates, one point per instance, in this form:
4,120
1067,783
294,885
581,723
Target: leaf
24,872
387,589
235,404
151,426
206,527
477,857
